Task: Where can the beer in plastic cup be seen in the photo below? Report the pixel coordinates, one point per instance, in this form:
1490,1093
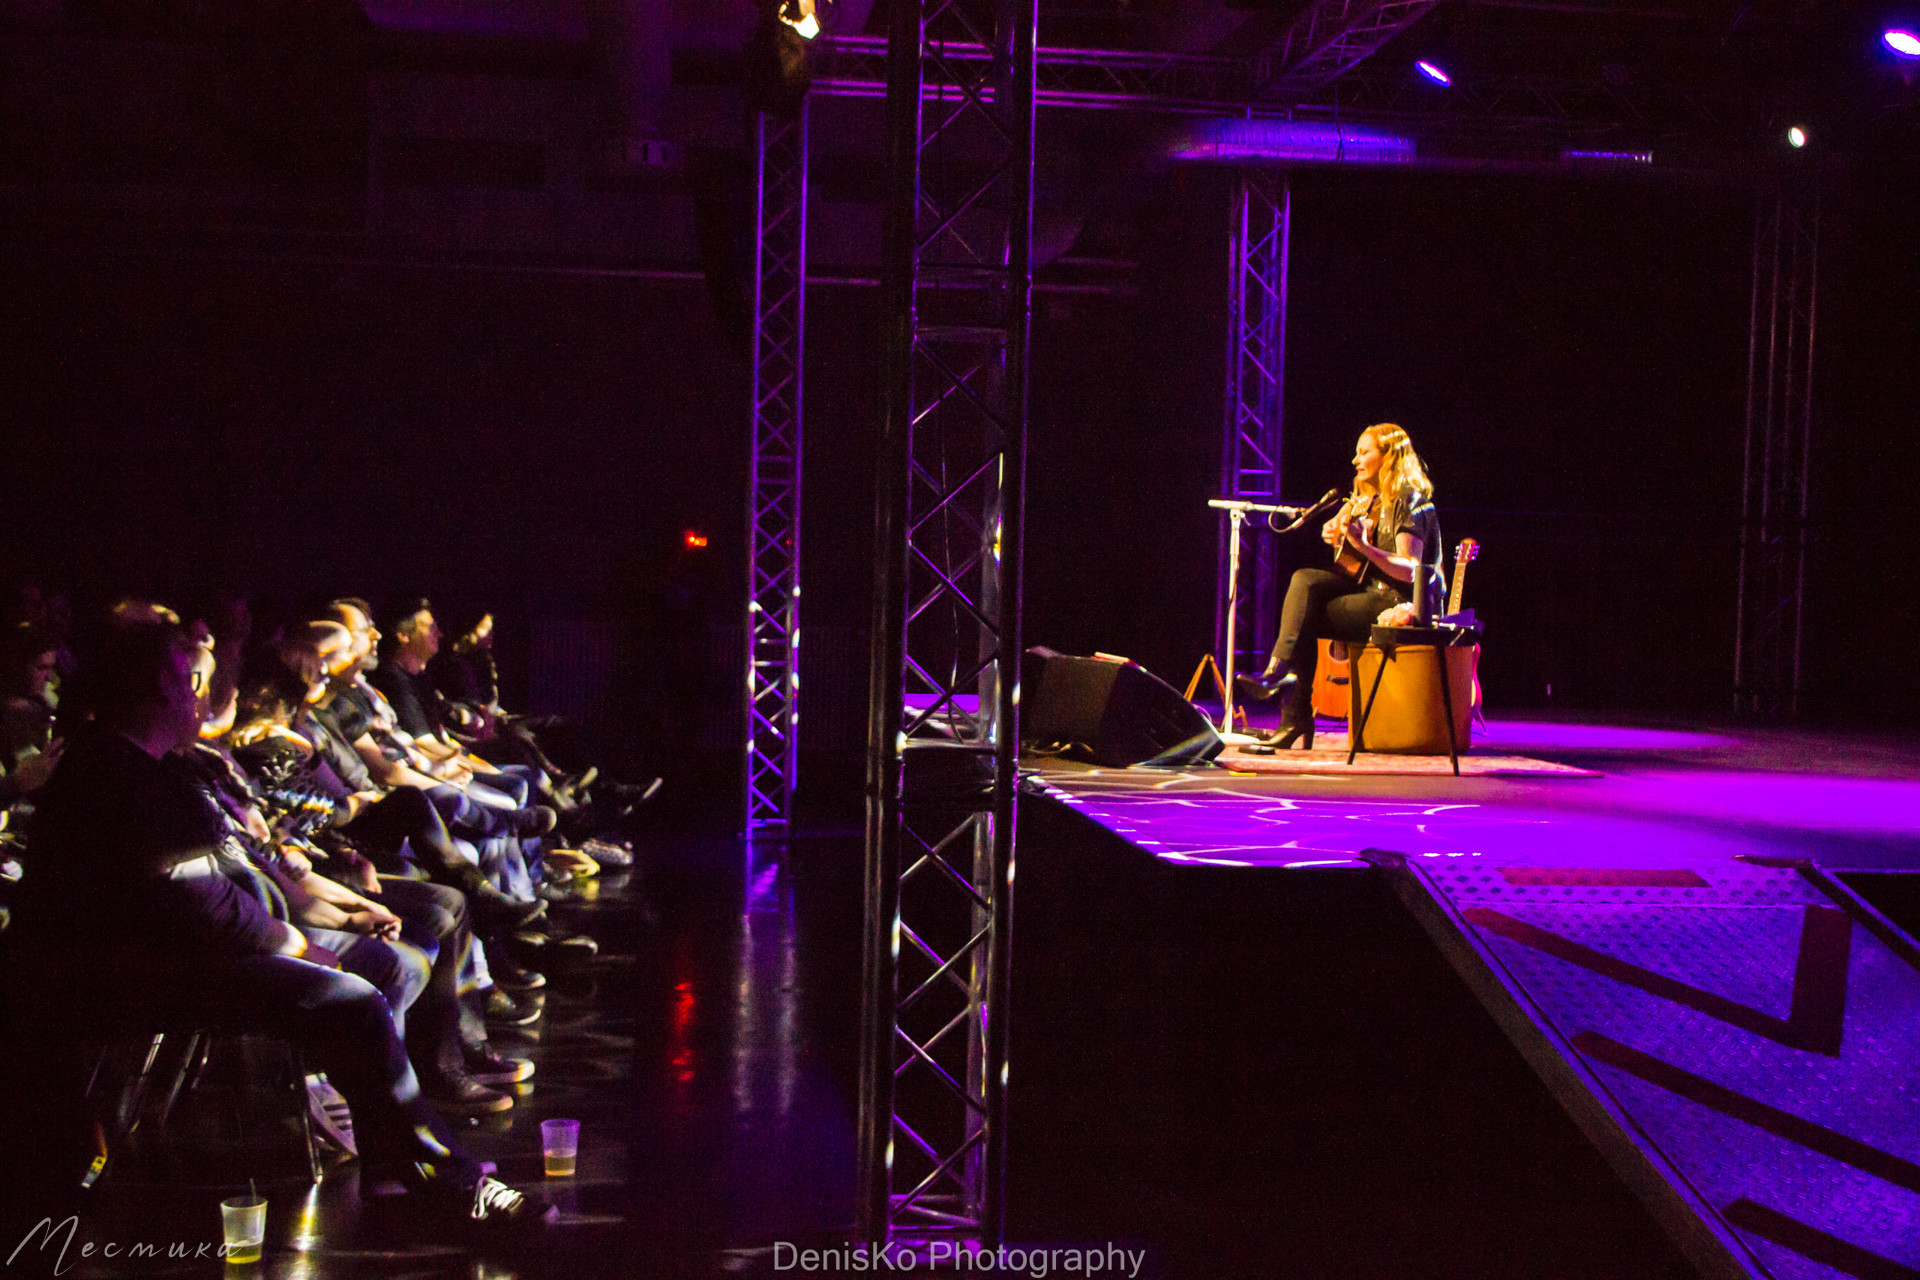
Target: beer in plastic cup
560,1144
243,1220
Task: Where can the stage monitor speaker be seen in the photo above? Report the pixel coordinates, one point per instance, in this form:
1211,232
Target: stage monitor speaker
1109,711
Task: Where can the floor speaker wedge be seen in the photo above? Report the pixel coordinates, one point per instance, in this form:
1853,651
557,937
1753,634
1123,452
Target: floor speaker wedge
1109,711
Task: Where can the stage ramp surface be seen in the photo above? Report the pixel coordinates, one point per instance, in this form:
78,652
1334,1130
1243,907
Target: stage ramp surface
1739,1040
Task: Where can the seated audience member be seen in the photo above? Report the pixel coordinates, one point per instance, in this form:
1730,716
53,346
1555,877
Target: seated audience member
410,944
507,789
461,686
292,757
470,805
350,709
29,747
401,677
126,918
378,820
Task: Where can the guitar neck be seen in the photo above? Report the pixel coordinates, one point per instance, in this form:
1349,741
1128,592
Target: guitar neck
1462,557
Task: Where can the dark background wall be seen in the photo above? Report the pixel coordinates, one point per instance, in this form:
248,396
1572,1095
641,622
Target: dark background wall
1570,356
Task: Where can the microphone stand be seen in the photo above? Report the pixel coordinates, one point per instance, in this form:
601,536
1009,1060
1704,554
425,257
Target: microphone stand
1237,512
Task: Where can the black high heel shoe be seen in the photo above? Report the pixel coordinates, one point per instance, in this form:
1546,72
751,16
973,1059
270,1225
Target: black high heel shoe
1288,734
1268,685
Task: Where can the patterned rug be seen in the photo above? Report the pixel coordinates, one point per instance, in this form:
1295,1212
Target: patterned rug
1330,756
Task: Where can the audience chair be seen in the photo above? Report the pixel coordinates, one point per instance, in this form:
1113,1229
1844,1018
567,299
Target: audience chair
180,1054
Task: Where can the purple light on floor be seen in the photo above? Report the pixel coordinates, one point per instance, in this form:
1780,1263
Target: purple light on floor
1433,73
1905,44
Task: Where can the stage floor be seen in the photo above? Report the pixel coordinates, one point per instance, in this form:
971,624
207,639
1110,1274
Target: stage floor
1673,796
1731,1026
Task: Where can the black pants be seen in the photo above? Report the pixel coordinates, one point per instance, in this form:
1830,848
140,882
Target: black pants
407,813
1324,605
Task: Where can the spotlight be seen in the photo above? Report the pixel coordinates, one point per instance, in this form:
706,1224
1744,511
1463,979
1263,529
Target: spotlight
799,14
693,539
1796,137
1432,72
1905,44
778,68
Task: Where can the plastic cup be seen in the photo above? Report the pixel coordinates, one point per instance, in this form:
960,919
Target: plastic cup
243,1220
560,1145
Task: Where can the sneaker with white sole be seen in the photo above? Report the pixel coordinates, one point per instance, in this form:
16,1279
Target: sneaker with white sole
329,1113
492,1068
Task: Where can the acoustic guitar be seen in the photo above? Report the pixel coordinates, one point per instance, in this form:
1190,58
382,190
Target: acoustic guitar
1331,676
1347,559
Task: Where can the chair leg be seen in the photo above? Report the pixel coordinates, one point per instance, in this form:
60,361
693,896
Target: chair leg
1360,730
1446,702
304,1104
134,1095
189,1064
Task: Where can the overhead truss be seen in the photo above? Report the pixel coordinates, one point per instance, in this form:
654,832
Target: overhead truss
956,282
1332,37
773,491
856,67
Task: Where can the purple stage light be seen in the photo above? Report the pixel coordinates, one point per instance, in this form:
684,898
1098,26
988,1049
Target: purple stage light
1433,73
1905,44
1325,142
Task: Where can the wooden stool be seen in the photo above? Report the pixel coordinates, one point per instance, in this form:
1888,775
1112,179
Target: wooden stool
1413,678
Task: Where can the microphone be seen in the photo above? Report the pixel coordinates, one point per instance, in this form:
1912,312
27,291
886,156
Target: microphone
1237,504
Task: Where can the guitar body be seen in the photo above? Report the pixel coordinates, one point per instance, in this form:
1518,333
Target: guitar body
1330,687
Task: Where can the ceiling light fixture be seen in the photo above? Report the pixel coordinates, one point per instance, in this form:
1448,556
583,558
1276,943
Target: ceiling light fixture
1796,137
800,15
1432,72
1905,44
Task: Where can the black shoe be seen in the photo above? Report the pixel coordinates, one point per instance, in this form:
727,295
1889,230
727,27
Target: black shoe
503,1010
465,1096
489,1067
491,1210
550,954
1268,686
513,977
494,912
1288,734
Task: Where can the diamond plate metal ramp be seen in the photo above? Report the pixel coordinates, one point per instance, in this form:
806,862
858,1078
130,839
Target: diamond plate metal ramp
1741,1039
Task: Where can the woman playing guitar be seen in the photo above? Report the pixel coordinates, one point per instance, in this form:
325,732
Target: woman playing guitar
1385,534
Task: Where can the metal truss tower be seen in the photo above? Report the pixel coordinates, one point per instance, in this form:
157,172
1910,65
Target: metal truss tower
943,733
1256,362
773,491
1774,530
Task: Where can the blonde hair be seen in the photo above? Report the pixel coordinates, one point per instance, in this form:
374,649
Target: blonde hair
1401,484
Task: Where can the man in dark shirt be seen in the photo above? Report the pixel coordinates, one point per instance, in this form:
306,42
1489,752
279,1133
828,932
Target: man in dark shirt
124,922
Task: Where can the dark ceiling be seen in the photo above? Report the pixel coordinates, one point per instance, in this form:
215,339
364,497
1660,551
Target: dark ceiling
593,132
